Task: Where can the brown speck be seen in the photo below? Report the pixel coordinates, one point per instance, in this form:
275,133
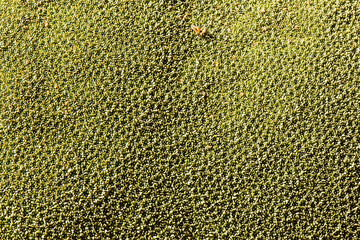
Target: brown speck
76,123
26,27
290,42
292,13
66,112
234,58
39,9
284,9
211,116
196,29
217,64
199,31
262,11
264,29
255,43
170,7
296,27
279,1
46,24
203,94
218,7
48,93
242,94
181,80
208,147
27,62
66,103
308,2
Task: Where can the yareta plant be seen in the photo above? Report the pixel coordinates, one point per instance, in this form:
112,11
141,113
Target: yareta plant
179,119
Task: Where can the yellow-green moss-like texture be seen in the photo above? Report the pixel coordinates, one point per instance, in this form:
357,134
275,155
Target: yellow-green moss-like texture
119,121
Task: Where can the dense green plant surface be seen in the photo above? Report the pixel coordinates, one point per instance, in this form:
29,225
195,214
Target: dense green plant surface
118,121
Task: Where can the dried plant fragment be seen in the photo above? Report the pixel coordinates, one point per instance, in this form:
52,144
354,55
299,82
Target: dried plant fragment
199,31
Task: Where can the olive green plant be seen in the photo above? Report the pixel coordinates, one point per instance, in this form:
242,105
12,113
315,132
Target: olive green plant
226,119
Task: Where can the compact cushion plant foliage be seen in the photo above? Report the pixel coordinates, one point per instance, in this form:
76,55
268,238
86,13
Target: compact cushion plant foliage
124,119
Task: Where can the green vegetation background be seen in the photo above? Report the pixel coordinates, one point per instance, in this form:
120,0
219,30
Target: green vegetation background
117,121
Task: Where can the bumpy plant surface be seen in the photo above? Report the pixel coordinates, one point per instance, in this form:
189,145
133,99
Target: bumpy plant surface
124,119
